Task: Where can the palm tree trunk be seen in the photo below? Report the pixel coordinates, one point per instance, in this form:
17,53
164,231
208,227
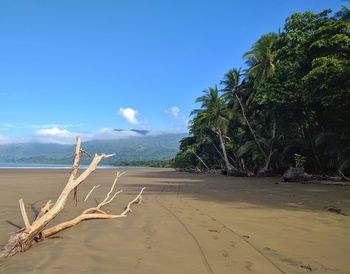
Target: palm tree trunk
222,156
200,159
251,129
268,159
217,150
227,163
267,164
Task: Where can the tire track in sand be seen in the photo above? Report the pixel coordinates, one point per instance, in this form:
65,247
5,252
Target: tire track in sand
229,229
235,233
189,232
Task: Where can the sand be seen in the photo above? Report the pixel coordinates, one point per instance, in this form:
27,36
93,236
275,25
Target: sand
187,223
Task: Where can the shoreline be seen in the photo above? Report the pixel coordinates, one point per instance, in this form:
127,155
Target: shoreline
65,167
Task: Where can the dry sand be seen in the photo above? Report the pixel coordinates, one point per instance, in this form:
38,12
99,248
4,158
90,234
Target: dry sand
187,223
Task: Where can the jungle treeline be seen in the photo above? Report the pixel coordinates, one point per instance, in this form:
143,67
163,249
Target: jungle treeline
290,106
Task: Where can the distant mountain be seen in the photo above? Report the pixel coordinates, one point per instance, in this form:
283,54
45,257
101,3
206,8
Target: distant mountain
136,148
139,131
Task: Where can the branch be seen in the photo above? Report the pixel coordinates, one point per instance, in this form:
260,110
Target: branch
24,213
37,231
76,159
72,183
88,195
109,155
92,213
106,200
44,210
75,169
86,153
137,200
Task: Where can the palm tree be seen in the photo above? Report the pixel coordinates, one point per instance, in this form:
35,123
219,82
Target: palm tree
344,13
261,59
232,86
213,114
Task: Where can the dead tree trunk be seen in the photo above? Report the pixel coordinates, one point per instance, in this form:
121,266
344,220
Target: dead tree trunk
38,231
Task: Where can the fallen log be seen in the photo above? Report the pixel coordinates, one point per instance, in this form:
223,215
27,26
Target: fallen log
38,231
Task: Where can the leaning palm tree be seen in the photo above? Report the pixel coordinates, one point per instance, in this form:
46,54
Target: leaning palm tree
213,114
233,91
261,59
232,87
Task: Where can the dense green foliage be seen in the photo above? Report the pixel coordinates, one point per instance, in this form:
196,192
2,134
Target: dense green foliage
293,98
154,163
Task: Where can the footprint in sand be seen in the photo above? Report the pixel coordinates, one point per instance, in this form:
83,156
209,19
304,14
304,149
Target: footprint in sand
224,253
215,237
269,249
248,265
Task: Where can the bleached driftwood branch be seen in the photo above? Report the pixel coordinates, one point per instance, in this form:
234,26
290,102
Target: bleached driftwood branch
88,195
74,172
24,213
38,231
44,210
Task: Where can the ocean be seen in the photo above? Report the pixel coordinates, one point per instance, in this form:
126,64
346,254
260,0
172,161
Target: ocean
47,166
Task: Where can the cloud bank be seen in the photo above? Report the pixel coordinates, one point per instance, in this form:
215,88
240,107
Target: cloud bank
63,136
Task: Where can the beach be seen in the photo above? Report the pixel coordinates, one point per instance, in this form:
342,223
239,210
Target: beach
186,223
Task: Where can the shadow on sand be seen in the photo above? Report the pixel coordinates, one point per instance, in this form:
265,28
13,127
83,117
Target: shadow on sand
262,192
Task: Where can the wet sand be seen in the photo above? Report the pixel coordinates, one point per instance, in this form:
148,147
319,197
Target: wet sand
187,223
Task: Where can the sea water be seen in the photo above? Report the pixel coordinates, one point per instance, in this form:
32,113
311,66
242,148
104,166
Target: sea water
46,166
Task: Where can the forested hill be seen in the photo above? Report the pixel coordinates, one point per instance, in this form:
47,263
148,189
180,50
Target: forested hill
138,148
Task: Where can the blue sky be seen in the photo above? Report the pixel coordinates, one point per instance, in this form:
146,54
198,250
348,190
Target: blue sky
69,67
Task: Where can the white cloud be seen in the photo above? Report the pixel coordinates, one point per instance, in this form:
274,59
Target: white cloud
173,111
54,135
130,115
55,131
63,136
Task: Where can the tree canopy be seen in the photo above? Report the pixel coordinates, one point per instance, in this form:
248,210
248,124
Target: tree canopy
292,99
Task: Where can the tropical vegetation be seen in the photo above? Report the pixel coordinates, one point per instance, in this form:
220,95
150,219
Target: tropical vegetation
292,101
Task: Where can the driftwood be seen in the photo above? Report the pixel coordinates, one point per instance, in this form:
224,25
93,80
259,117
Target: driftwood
38,231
